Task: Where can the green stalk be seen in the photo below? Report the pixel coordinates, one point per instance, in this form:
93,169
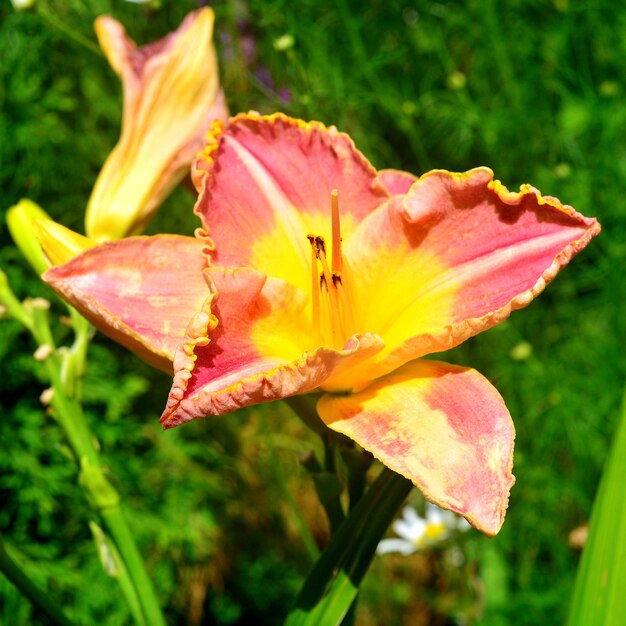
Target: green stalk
333,584
101,494
117,526
104,498
599,590
36,595
13,306
74,35
114,566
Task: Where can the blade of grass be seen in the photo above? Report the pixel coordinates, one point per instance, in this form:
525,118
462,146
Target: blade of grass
599,590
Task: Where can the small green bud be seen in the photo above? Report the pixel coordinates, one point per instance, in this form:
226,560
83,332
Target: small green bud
20,220
284,42
106,550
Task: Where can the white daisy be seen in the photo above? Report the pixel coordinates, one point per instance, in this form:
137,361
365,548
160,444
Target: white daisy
417,533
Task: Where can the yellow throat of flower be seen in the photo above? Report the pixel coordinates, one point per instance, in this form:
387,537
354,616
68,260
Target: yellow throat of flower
332,304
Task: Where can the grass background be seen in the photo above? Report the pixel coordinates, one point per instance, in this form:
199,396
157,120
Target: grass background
533,89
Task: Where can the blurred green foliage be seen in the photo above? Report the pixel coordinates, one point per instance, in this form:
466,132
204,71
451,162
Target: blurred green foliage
532,88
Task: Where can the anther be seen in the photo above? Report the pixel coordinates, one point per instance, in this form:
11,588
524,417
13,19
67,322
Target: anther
315,285
321,244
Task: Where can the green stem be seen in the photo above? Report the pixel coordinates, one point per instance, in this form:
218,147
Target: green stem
13,306
36,595
357,462
304,407
117,526
333,584
113,565
101,493
102,496
57,23
71,418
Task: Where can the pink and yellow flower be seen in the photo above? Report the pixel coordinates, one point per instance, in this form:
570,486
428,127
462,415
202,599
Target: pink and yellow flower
171,96
315,273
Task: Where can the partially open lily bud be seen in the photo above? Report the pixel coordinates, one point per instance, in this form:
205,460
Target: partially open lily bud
171,96
20,218
60,244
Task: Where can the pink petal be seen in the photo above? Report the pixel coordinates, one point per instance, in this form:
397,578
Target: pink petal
397,181
454,257
444,427
269,179
251,343
140,291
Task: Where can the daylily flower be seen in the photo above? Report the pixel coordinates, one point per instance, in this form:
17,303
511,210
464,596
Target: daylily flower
418,533
171,96
315,273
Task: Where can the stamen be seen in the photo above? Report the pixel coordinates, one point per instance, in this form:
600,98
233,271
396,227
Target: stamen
315,286
321,255
346,305
336,231
335,312
332,303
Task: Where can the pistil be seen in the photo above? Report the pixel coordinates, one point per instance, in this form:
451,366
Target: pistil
336,230
332,317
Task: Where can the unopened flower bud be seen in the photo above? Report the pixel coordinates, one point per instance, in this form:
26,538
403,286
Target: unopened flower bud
20,220
46,396
38,303
43,352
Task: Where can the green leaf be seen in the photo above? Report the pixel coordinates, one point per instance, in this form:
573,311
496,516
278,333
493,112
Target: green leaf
333,584
14,572
599,591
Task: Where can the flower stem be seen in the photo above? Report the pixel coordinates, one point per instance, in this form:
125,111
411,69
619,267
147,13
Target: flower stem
36,595
67,410
327,483
333,584
117,526
77,37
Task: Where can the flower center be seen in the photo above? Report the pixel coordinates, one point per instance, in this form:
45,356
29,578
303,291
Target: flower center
433,533
332,306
